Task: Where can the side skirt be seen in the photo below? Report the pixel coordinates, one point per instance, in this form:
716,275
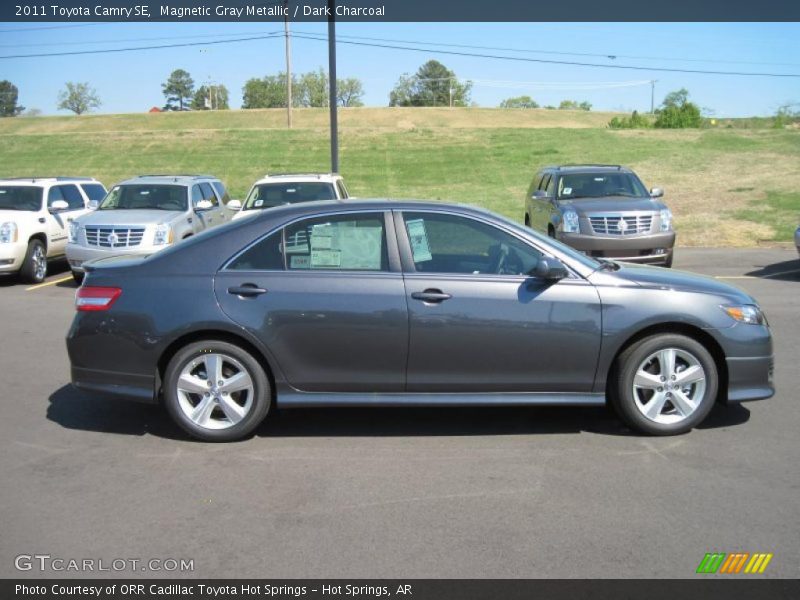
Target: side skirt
296,399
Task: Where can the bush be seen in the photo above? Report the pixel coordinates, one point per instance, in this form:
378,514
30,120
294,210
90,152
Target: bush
635,121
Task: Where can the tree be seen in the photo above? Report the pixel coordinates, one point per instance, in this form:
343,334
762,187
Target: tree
568,105
78,97
519,102
432,85
676,112
312,89
268,92
349,92
8,100
178,88
585,105
212,97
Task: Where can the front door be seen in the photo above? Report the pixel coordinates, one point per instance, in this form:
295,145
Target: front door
478,321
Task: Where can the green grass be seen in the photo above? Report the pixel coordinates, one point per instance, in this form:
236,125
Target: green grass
779,211
710,175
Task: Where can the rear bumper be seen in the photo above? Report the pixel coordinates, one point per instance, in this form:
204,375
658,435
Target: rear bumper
750,378
655,248
112,384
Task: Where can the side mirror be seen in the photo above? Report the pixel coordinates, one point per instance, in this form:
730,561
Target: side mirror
93,204
58,206
656,193
203,205
539,195
234,205
550,269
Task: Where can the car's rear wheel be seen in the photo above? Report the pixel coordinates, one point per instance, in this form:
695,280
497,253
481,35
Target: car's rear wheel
665,384
34,266
216,391
78,277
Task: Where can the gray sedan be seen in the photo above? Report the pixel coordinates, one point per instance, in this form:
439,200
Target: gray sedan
390,303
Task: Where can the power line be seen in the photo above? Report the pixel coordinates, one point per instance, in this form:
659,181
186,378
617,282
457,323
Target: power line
556,62
14,30
111,50
126,40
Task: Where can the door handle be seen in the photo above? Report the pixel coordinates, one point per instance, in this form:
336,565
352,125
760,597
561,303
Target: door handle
431,295
246,289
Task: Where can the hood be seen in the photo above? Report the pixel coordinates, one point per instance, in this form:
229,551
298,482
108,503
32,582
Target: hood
612,204
142,217
672,279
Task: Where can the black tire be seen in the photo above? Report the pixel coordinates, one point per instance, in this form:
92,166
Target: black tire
78,277
620,385
527,221
31,271
261,399
668,263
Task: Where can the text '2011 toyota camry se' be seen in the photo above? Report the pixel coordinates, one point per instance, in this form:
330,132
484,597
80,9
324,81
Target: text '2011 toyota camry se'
400,303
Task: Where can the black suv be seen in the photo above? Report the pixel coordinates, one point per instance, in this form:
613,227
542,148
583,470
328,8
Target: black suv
604,211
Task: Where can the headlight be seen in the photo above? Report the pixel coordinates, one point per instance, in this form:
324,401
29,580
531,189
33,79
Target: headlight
666,219
746,313
74,228
163,235
569,222
8,233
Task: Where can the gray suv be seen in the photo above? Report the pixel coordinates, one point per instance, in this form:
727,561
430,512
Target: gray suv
604,211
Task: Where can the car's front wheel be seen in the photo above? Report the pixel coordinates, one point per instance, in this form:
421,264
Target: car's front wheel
78,277
34,266
665,384
216,391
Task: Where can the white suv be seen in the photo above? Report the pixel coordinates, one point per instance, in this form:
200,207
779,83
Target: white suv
290,188
35,215
146,214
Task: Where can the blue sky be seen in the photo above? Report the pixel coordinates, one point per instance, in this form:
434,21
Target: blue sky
131,81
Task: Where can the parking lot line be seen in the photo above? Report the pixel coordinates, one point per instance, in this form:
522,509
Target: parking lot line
55,281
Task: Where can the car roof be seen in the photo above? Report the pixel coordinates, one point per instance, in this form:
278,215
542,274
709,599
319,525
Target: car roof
300,209
178,179
587,168
45,180
299,177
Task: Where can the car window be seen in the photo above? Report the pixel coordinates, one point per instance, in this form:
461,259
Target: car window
208,194
550,185
266,255
268,195
54,194
73,197
221,192
342,189
19,197
197,194
442,243
133,197
540,179
94,191
599,185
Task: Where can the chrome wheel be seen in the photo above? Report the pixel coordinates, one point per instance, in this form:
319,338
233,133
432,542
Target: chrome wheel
215,391
669,385
39,261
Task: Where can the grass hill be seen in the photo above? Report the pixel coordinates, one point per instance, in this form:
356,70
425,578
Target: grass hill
726,186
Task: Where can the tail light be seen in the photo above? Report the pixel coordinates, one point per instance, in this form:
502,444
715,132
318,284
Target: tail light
96,298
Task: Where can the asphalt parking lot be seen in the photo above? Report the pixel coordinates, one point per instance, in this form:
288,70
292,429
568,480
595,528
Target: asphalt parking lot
463,493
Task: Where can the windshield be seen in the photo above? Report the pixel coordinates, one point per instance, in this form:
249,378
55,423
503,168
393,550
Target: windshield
20,197
572,186
267,195
146,197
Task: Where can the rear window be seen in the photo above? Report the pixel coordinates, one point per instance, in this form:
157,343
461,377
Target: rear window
18,197
145,197
94,191
268,195
600,185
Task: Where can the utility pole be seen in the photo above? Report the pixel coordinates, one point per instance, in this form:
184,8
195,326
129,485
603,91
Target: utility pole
653,96
332,101
288,64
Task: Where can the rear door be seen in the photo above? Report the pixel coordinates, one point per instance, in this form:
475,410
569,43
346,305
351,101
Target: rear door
325,295
479,323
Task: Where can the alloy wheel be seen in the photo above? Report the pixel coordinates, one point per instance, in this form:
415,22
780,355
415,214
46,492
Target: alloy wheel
669,385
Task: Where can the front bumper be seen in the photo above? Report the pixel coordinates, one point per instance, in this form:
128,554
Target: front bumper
750,378
78,254
11,256
655,248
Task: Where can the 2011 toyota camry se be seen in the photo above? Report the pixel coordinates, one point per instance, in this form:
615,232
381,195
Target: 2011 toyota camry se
400,303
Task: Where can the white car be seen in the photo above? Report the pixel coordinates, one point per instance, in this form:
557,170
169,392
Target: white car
290,188
35,215
146,214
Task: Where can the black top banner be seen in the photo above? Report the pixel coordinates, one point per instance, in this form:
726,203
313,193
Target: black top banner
401,10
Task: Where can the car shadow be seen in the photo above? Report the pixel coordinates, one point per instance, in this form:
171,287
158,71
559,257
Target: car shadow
55,267
788,270
78,410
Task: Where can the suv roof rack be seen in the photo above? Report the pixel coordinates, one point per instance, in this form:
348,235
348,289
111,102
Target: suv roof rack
47,178
303,174
572,165
189,175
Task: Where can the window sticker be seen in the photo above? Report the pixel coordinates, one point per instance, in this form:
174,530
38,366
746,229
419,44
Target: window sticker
326,259
567,191
322,242
360,247
297,243
258,203
418,237
300,262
